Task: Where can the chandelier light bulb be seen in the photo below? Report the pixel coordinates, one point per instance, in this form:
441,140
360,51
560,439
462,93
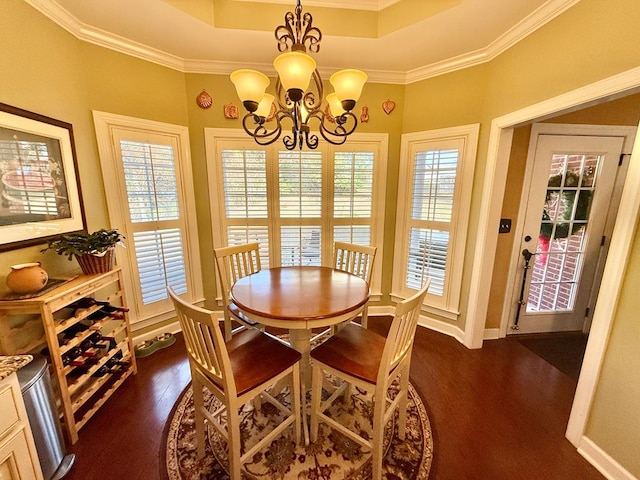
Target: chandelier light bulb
348,86
295,70
250,86
264,107
335,105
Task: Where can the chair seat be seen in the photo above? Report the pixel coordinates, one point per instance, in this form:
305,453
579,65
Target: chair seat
255,358
353,350
236,312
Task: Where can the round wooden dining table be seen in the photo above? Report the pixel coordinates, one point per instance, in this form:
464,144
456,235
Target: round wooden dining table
300,299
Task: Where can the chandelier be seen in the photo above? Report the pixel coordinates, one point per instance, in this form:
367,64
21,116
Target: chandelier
299,91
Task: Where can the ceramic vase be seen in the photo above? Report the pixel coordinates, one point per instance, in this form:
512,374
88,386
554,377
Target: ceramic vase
27,278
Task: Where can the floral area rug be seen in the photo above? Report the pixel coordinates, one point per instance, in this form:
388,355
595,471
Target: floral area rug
332,456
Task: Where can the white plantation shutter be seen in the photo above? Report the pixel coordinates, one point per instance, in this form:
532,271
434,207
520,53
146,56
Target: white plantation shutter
427,259
300,245
353,196
434,182
295,204
244,180
150,180
359,234
434,196
152,196
245,183
300,184
353,185
160,263
147,172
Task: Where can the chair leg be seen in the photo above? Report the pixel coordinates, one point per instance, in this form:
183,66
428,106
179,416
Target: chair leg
402,404
378,432
227,327
295,401
198,402
233,439
364,320
316,397
346,395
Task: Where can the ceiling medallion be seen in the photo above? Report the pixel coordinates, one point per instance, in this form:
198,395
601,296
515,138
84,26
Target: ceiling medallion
299,100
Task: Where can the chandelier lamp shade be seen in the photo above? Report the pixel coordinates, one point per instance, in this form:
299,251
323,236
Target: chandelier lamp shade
299,92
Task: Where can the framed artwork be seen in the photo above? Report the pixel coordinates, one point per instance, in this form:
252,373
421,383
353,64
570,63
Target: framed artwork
40,193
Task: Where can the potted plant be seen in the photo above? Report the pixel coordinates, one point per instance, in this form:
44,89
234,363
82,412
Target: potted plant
93,251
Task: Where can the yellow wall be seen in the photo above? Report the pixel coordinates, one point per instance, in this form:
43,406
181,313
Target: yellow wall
614,423
56,75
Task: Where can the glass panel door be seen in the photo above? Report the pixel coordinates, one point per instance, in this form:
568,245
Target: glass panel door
571,186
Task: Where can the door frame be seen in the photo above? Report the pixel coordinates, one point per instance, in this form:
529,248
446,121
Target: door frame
493,186
514,277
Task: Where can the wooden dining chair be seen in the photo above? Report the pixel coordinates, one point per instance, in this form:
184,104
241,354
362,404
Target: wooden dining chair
362,358
233,263
236,372
358,260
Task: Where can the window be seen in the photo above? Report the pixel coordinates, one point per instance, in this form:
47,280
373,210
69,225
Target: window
295,204
434,196
147,166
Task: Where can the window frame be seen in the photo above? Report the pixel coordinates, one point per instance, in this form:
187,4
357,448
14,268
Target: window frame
106,126
447,305
218,138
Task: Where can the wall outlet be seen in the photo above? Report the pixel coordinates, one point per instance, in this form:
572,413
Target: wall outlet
505,225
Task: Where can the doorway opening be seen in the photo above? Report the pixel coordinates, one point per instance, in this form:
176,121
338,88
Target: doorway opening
571,192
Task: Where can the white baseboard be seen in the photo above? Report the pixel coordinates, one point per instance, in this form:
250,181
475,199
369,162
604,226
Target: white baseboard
425,321
491,334
173,327
442,327
606,465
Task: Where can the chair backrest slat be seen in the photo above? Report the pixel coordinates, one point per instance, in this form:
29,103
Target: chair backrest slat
204,342
234,263
355,259
402,332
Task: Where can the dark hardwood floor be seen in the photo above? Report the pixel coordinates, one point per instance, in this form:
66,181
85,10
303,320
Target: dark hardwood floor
498,413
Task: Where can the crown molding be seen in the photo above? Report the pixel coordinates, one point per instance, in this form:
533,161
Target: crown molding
523,29
374,6
87,33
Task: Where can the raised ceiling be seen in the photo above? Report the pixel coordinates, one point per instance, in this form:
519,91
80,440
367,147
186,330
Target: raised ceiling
394,41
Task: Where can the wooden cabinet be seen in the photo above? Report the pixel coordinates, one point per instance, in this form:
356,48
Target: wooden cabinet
18,456
81,390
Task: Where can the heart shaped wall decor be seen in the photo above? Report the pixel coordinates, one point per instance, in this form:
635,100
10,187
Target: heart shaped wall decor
388,106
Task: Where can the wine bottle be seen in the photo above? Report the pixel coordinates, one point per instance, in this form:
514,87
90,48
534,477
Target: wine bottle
104,313
70,355
83,362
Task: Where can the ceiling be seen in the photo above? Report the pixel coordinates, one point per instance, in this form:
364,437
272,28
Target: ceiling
394,41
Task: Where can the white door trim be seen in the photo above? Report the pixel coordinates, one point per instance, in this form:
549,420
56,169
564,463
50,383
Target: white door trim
489,217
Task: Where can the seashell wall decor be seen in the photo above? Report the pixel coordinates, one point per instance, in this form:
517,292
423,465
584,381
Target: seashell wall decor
204,100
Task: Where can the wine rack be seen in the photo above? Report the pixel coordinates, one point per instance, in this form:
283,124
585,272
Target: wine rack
83,389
